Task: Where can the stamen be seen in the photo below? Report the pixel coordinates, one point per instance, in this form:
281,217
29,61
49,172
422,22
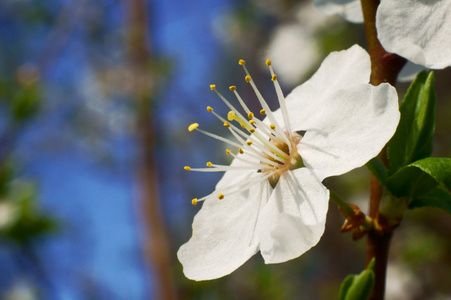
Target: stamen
221,196
262,112
209,164
216,136
243,105
281,99
193,126
259,158
187,168
230,190
231,107
194,201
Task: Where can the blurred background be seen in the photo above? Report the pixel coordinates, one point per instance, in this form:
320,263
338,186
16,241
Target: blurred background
95,100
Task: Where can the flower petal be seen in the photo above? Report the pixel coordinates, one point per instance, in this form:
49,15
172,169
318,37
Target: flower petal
339,70
293,220
351,10
223,234
417,30
353,128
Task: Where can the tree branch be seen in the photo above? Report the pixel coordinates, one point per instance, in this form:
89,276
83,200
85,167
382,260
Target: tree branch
385,67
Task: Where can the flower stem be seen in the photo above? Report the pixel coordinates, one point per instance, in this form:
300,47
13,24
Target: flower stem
385,67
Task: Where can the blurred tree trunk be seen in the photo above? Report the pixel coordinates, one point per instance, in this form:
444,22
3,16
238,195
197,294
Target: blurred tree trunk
144,75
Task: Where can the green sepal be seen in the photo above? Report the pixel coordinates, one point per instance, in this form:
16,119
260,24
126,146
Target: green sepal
413,138
437,197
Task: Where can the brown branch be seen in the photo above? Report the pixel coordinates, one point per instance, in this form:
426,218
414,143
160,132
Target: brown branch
385,67
157,242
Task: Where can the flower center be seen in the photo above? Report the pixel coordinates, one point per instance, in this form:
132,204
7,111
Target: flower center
294,160
267,147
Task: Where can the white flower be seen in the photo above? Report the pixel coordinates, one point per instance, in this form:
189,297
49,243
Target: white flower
271,198
418,30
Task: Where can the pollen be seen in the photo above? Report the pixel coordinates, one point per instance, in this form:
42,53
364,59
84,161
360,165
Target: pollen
250,115
194,201
240,150
193,126
187,168
221,196
274,77
212,87
241,62
252,130
209,164
247,78
252,122
232,88
272,126
209,108
226,124
249,143
263,112
228,151
231,115
268,62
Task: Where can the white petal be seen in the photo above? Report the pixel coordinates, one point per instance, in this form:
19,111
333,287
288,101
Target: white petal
339,70
351,10
353,128
418,30
223,234
293,220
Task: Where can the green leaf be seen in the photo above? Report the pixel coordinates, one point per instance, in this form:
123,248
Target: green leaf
438,168
410,182
377,168
413,138
421,176
438,198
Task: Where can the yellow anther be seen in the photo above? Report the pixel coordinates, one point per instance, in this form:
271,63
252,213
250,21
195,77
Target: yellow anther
226,124
228,151
252,130
212,86
247,78
232,88
272,126
274,77
240,150
241,62
252,122
209,164
268,62
249,143
194,201
221,196
193,126
187,168
250,115
209,108
262,112
231,115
